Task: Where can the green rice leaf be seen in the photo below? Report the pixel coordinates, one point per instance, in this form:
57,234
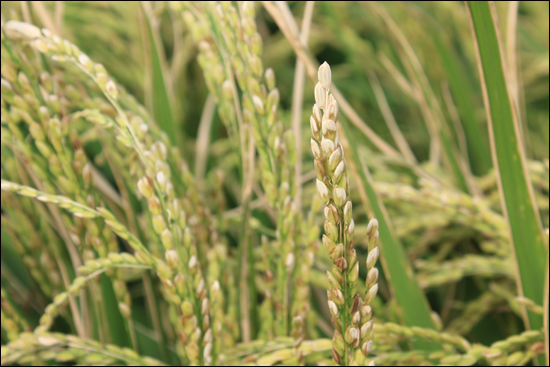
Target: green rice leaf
162,109
517,197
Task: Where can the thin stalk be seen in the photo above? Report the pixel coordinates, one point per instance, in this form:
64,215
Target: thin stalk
297,102
397,135
25,11
44,15
130,330
154,310
59,17
100,320
245,255
203,137
455,118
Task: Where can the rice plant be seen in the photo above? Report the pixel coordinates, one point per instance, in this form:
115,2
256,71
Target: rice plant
273,183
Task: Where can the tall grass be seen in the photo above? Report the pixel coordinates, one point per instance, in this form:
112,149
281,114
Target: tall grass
160,204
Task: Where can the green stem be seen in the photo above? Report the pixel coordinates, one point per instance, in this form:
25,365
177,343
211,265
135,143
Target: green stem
342,238
242,245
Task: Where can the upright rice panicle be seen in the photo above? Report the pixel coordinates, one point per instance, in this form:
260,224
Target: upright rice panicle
234,55
351,316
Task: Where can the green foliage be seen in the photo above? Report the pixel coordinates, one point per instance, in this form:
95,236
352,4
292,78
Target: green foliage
142,225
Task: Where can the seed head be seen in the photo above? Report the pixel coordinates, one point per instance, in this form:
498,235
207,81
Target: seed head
227,89
320,95
372,277
111,89
366,329
161,179
172,258
193,262
325,75
322,190
329,129
205,307
258,105
372,227
319,169
17,30
335,158
331,230
328,147
333,308
337,296
338,342
331,214
158,224
332,281
289,262
371,294
356,319
328,243
347,212
351,228
339,194
372,257
270,78
314,128
354,273
339,171
145,187
317,114
332,110
315,149
187,308
336,252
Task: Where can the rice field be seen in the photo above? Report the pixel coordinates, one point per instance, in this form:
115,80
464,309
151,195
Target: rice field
274,183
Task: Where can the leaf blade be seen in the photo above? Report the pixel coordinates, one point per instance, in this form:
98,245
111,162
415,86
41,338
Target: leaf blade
162,108
515,187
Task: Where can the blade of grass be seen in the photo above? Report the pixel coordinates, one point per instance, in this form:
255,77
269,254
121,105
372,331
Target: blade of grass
117,325
429,106
478,149
455,119
397,135
59,17
516,191
412,66
162,109
413,306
